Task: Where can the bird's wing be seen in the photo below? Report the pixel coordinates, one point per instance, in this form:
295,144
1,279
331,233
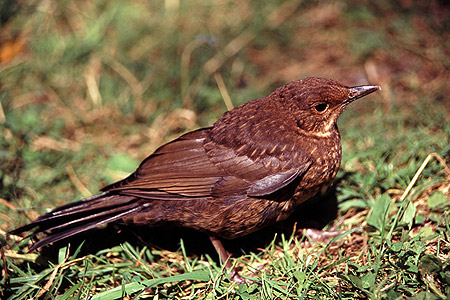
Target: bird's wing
184,169
264,173
175,171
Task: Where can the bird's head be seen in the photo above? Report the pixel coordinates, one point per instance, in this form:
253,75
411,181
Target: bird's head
316,103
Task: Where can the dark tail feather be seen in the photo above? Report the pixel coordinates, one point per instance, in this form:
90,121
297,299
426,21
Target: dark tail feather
74,218
54,237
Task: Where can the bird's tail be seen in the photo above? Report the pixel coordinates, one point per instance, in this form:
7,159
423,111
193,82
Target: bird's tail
76,217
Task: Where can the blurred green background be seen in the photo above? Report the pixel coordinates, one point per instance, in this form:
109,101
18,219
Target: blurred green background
89,88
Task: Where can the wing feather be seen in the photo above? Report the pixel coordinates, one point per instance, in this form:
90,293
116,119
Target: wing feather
192,166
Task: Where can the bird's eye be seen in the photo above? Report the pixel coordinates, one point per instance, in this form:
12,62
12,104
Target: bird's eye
321,107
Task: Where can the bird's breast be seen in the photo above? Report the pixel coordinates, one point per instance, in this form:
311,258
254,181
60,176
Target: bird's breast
326,159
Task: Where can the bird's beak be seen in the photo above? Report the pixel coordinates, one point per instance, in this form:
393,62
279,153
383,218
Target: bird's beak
361,91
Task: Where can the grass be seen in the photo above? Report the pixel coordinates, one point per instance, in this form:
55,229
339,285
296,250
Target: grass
90,88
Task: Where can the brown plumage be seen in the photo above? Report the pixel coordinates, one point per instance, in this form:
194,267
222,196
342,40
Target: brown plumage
248,170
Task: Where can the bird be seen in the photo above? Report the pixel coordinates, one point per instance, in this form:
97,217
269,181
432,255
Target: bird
248,170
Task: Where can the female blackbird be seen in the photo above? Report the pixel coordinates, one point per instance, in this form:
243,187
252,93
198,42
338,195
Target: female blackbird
250,169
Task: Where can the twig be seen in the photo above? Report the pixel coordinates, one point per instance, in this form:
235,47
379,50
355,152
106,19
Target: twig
77,182
53,275
402,209
223,91
136,259
420,170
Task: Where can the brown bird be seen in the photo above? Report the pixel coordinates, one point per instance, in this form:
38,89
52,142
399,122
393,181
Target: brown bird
250,169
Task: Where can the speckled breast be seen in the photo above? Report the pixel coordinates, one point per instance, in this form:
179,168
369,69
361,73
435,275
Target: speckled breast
326,162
